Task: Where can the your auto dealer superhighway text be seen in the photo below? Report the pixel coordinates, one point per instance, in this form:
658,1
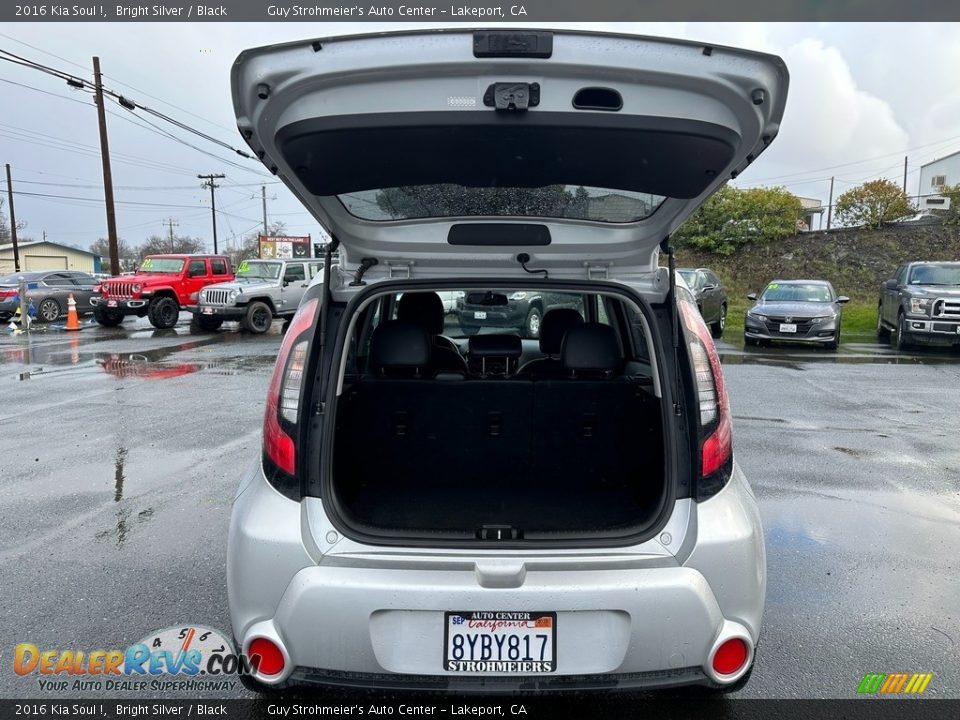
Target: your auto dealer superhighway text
316,11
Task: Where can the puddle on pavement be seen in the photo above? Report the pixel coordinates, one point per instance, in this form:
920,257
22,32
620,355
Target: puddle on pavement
119,477
852,354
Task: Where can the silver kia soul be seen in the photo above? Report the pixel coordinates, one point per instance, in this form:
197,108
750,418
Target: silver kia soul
445,500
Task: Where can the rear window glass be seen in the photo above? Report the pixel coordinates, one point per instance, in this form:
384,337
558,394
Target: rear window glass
575,202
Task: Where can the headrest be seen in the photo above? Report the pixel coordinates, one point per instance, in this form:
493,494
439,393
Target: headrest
398,344
554,326
499,346
590,346
422,308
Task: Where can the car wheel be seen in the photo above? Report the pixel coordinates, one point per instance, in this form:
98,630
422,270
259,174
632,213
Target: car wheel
48,310
836,342
902,339
531,328
716,328
163,312
106,316
205,322
259,317
882,332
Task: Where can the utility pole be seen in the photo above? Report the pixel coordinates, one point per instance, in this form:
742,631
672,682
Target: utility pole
213,202
263,194
905,174
13,222
170,223
107,174
830,205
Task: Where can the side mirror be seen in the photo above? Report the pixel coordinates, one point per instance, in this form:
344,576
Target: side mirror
286,282
891,284
843,299
752,296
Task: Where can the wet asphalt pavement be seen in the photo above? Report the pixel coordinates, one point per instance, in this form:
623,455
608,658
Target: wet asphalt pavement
122,449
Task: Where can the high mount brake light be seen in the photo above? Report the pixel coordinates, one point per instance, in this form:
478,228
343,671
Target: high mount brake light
716,450
282,414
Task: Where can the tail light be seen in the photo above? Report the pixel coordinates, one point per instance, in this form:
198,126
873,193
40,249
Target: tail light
8,293
281,420
730,657
266,656
716,428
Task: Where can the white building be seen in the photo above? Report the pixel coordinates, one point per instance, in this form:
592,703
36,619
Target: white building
934,176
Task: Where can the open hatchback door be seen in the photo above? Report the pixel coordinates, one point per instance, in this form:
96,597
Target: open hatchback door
455,150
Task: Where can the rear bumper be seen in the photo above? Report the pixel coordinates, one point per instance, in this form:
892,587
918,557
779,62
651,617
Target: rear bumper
348,614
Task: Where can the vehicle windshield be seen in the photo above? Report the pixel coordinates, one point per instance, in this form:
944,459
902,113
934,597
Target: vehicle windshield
574,202
258,270
934,275
161,265
797,292
689,277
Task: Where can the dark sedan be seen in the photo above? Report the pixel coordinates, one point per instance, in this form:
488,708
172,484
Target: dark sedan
710,295
806,311
48,291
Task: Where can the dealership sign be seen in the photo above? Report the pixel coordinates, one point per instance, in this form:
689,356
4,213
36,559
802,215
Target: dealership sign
284,246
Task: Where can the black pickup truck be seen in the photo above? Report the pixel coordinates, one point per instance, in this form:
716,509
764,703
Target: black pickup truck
920,304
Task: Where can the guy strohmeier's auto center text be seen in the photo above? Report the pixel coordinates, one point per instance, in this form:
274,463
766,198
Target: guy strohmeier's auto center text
358,11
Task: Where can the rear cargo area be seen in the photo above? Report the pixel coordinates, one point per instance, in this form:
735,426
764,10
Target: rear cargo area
562,457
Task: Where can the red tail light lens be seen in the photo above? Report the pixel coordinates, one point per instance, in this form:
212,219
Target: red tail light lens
730,656
716,450
266,657
282,415
8,293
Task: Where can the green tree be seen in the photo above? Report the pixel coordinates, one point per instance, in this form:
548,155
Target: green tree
732,217
872,203
951,216
128,255
447,200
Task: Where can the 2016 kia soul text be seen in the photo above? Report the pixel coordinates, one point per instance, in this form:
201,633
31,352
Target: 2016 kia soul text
490,510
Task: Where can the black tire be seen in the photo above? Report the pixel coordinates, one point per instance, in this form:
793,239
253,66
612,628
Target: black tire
902,339
206,322
716,328
163,312
750,342
835,345
107,317
883,332
49,310
531,326
259,317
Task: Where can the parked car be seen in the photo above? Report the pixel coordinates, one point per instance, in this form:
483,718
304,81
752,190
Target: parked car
920,304
162,287
926,217
262,290
710,295
49,291
423,513
801,311
523,311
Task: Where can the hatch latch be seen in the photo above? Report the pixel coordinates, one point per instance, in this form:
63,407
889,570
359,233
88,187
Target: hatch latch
512,96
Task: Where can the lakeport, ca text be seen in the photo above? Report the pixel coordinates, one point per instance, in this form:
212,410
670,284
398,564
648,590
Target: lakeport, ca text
471,11
298,710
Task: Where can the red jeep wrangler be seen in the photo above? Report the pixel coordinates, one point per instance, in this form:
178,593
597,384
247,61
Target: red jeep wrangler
162,287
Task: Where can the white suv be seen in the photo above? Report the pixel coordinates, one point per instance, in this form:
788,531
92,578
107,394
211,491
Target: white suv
495,512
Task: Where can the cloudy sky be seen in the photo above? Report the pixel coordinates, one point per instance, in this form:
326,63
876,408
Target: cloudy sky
862,96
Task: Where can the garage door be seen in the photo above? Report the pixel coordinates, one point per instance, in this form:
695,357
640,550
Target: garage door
44,262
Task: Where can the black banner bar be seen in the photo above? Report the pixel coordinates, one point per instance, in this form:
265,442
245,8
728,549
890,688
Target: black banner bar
484,12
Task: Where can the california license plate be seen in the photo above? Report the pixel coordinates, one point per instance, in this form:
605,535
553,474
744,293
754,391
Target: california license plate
111,303
500,642
788,327
206,311
480,315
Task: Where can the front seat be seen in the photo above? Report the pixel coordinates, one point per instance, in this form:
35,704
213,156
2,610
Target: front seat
426,310
555,325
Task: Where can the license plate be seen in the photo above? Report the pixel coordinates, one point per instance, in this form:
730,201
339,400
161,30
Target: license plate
788,327
500,642
480,315
111,303
206,311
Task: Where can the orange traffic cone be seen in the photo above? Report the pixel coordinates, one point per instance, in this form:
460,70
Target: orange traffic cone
73,320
